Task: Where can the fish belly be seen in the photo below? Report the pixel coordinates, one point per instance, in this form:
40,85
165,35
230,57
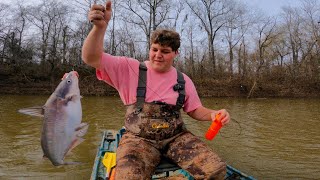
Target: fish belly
59,131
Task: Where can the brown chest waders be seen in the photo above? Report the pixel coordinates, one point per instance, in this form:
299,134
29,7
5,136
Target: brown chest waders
156,129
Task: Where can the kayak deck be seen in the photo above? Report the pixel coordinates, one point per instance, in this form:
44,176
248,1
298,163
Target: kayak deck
109,144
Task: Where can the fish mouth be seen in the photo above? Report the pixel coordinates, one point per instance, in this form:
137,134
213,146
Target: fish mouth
76,73
66,75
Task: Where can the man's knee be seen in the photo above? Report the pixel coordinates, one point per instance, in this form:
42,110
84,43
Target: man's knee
136,159
219,173
196,157
130,167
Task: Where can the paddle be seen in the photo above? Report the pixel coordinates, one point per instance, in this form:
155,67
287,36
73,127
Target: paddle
109,161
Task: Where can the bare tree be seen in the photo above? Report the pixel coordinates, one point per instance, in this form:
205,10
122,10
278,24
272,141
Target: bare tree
266,36
82,7
311,37
147,15
236,27
50,19
293,25
3,31
242,58
190,51
211,15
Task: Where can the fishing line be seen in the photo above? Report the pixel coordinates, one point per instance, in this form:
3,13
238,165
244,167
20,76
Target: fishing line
240,130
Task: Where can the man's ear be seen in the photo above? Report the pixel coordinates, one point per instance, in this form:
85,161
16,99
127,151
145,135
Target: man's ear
177,52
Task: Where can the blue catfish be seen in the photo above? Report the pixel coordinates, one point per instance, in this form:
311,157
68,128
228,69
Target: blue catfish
62,129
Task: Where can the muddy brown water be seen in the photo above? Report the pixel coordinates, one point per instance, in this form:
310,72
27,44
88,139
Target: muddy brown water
267,138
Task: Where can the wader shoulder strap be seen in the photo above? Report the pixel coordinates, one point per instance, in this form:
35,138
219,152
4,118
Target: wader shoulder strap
180,87
142,83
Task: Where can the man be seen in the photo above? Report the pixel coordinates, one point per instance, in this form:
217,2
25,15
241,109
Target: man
154,92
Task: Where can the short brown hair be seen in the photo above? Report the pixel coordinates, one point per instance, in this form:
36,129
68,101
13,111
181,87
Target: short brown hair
166,37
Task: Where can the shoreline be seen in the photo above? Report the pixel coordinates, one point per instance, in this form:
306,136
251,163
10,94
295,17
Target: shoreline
101,89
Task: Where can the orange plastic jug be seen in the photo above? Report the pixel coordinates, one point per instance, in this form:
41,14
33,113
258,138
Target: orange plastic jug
214,128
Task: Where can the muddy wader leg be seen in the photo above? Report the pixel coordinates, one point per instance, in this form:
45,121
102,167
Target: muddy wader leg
136,158
193,155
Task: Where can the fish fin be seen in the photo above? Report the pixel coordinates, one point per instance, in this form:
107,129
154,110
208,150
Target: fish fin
73,97
67,99
33,111
74,144
82,129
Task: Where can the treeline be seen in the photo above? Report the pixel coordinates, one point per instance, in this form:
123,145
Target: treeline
228,48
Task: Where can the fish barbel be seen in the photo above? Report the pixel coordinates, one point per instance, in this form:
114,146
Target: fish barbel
62,129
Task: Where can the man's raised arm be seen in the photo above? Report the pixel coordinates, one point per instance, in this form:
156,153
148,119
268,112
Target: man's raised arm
92,48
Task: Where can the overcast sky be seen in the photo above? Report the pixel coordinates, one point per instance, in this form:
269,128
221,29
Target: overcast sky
271,7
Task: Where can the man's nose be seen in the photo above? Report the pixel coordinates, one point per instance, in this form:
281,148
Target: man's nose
158,54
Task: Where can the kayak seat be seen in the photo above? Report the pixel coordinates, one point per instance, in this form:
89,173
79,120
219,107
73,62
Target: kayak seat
166,165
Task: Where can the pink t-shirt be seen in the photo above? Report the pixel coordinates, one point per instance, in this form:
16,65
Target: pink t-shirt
122,73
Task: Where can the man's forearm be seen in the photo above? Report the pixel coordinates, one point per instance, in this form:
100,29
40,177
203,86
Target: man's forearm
201,114
92,48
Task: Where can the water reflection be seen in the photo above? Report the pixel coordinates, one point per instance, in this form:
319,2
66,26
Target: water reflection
279,137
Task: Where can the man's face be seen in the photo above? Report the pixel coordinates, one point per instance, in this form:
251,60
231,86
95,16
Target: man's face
161,57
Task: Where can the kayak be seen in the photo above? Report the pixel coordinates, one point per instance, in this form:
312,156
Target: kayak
105,162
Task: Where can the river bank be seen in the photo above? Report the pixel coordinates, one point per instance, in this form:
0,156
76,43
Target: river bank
90,86
34,79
